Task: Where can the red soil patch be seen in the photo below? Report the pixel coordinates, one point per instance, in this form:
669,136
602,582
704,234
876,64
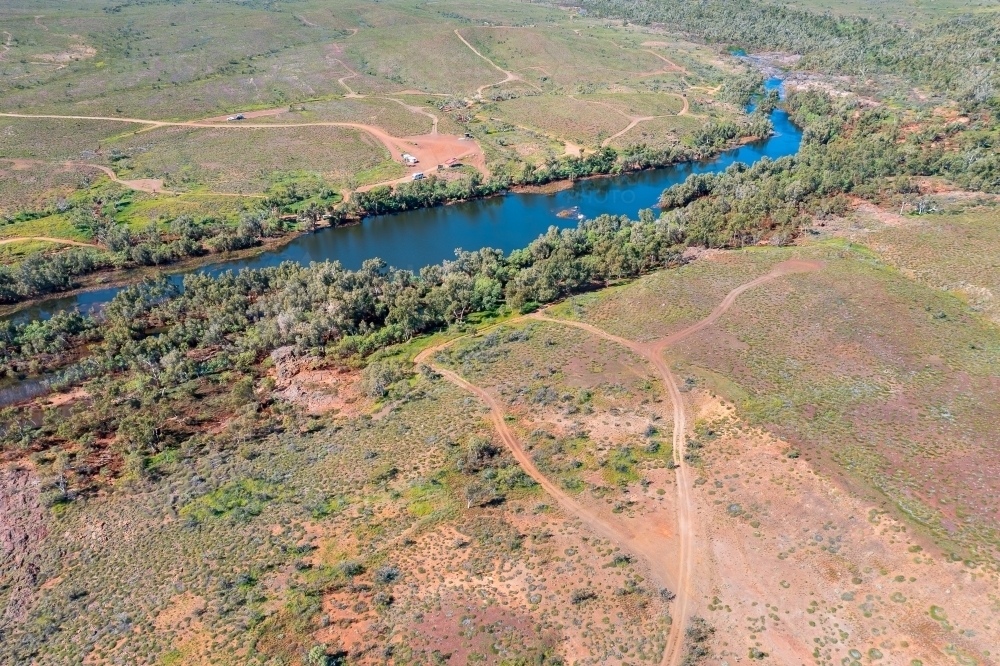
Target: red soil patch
23,526
430,151
317,390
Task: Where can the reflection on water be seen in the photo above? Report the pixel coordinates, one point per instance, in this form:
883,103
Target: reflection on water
414,239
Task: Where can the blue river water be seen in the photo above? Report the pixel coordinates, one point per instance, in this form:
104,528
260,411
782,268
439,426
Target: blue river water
416,238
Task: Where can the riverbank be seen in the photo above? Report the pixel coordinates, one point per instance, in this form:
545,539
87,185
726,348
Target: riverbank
120,278
429,235
115,279
112,279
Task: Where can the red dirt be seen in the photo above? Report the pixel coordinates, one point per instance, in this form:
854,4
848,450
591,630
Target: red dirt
647,542
249,115
653,352
149,185
429,149
22,528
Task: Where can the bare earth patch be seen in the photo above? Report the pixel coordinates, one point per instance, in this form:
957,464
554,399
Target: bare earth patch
798,568
318,391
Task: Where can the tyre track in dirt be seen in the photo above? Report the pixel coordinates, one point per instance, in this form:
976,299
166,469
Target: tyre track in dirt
653,352
434,148
659,562
593,521
419,110
343,80
510,76
6,45
642,544
48,239
148,185
674,67
633,120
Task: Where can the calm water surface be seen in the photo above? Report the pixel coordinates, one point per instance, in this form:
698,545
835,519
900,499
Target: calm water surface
416,238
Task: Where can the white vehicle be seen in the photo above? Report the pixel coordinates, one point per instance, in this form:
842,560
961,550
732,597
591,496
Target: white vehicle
231,119
418,175
238,116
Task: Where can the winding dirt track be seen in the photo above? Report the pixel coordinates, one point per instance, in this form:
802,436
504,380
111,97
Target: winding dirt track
510,76
686,108
61,241
510,439
633,120
674,67
659,563
343,80
431,149
6,45
419,110
150,185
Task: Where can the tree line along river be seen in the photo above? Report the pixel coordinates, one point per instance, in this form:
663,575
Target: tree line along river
416,238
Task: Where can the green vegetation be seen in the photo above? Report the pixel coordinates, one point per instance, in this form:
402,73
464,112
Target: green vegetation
38,274
252,470
949,56
236,500
384,66
845,151
954,250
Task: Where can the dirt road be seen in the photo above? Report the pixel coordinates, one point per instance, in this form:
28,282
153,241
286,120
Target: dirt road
150,185
510,76
644,544
673,67
6,45
653,352
343,80
659,563
429,149
419,110
63,241
686,108
633,120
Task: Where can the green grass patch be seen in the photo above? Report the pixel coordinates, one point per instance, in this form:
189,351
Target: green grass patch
53,226
238,500
14,252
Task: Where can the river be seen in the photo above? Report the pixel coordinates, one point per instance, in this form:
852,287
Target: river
416,238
